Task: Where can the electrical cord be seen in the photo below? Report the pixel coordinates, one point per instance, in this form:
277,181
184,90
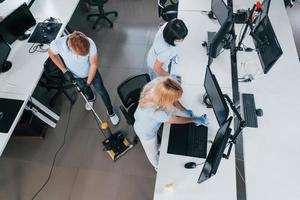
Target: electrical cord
37,47
55,155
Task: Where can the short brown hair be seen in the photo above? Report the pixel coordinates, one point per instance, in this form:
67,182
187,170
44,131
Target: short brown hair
79,43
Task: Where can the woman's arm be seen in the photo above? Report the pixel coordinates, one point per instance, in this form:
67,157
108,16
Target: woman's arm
180,120
158,68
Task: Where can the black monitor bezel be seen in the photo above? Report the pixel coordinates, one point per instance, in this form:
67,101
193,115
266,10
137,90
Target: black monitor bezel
6,21
216,152
7,53
217,44
212,10
208,70
266,68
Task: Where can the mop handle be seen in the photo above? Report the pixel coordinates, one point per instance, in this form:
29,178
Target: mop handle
84,97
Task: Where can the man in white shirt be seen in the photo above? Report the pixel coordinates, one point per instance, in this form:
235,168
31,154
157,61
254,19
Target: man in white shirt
79,54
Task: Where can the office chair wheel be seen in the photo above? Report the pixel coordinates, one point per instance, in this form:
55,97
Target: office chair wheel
94,27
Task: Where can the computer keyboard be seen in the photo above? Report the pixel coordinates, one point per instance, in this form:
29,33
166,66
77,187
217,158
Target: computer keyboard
195,141
249,110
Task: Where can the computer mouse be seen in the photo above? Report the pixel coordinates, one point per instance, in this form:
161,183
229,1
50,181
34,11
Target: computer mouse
190,165
259,112
5,66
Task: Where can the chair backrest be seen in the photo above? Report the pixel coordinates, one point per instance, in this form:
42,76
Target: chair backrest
129,90
51,71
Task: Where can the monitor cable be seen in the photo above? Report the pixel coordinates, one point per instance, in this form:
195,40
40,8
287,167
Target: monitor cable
55,155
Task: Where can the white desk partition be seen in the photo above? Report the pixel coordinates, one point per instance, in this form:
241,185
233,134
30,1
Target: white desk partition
20,81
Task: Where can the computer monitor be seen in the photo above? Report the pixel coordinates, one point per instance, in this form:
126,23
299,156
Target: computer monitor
263,13
222,38
5,49
266,44
220,10
14,25
216,151
216,97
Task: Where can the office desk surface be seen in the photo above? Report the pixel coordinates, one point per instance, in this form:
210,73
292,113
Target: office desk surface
191,67
271,152
171,167
20,81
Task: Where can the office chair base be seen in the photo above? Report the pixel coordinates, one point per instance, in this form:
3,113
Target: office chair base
102,16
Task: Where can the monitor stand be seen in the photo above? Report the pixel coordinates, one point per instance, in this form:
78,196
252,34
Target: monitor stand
5,66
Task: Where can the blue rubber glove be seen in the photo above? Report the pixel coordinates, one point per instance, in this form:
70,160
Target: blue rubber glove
202,120
188,112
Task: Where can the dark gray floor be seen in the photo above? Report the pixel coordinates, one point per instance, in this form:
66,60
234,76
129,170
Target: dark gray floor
83,171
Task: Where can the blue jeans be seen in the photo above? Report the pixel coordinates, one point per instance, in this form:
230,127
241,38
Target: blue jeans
100,89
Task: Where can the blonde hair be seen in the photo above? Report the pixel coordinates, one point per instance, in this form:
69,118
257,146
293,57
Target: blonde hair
79,43
162,93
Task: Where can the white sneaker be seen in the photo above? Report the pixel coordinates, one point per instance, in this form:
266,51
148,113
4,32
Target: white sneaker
90,104
114,119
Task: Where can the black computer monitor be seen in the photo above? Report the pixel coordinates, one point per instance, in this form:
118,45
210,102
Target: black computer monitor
14,25
220,10
263,13
216,151
222,38
4,51
266,44
216,97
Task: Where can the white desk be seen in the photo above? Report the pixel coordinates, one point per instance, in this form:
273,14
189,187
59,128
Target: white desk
271,152
20,81
191,67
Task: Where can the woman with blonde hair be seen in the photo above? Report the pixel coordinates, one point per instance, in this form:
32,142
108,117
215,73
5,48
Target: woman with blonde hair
158,100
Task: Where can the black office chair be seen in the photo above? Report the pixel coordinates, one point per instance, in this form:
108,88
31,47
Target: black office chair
129,92
53,78
167,9
102,14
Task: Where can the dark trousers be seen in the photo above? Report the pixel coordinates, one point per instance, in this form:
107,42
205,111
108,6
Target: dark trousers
98,85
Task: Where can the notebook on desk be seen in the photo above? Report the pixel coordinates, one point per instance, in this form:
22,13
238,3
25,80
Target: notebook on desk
188,140
9,108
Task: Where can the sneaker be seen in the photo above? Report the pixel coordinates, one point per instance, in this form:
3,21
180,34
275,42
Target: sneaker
89,104
114,119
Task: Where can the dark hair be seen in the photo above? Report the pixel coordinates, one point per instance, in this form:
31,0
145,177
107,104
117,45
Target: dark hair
174,30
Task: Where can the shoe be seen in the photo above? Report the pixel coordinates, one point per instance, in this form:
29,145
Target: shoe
89,104
114,119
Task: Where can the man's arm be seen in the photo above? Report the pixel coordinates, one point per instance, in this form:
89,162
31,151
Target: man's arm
93,69
55,58
158,68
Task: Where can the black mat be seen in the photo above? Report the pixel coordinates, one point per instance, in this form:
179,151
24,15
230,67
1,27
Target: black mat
178,140
9,109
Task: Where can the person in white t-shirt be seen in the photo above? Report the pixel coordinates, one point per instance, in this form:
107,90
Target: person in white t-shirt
157,103
165,47
79,62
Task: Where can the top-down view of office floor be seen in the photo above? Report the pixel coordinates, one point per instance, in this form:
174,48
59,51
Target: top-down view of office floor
149,99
